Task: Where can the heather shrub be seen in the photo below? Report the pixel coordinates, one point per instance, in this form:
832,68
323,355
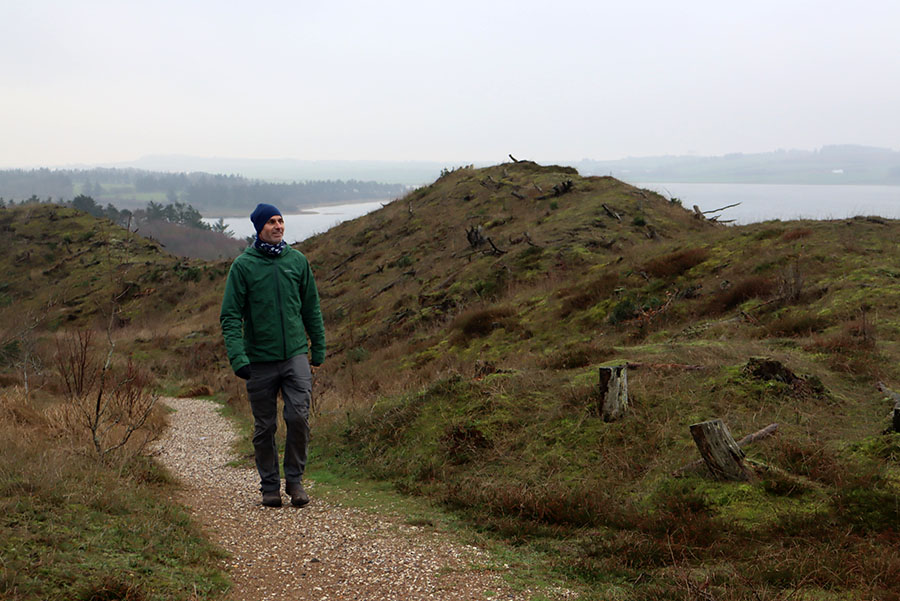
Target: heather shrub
675,263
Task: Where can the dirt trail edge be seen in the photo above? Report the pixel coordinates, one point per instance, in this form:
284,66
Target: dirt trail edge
322,551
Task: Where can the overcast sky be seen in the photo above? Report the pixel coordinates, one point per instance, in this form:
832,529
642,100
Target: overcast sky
96,81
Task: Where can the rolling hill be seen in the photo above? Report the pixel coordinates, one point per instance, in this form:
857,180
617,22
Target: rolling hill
467,323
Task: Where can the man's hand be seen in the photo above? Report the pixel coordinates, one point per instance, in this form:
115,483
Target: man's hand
244,372
313,368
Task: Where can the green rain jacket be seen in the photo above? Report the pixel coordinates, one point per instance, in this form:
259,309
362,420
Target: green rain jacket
270,306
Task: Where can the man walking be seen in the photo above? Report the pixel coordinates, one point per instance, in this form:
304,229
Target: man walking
270,308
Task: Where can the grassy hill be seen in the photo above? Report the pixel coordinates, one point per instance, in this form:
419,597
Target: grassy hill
77,525
466,325
469,374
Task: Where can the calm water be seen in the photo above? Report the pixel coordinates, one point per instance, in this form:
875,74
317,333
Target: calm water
762,202
301,226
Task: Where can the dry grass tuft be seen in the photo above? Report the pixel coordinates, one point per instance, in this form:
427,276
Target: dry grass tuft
751,287
578,355
796,234
587,294
676,263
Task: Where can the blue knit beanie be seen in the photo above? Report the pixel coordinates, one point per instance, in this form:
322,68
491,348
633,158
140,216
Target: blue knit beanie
261,214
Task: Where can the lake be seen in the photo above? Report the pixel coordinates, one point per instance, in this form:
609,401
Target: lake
759,202
300,226
762,202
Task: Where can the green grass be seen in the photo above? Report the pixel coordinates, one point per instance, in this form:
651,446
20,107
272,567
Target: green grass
75,529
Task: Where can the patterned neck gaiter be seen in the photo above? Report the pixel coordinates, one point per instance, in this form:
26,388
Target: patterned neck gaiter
273,250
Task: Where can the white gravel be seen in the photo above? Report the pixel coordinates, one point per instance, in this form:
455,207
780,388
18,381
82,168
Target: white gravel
319,552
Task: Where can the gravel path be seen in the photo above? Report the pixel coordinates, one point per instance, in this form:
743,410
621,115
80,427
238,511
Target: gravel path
322,551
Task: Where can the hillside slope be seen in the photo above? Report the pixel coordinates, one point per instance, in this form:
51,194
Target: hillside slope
65,270
467,371
466,324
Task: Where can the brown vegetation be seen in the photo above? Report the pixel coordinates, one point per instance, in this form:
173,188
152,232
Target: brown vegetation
676,263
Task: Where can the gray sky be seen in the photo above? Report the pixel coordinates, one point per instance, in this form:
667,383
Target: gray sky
98,81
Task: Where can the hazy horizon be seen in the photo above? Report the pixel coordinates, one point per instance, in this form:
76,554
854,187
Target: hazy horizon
101,82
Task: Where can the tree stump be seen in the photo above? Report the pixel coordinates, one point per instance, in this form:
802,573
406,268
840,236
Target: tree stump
613,392
720,452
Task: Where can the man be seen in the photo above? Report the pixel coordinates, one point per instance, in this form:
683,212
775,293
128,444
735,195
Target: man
270,307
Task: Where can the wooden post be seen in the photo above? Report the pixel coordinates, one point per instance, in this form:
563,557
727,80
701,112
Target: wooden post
722,455
613,392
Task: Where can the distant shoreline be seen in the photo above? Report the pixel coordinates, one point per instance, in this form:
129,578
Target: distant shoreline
306,210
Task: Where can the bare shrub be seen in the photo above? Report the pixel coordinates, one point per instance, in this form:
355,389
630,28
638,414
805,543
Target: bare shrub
112,404
476,323
854,335
675,263
797,324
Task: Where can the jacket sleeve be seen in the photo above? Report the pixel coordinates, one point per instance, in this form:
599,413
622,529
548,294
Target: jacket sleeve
312,318
232,318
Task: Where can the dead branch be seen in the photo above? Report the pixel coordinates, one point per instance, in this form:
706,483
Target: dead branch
345,261
665,366
758,435
525,237
495,250
890,393
387,287
611,213
720,209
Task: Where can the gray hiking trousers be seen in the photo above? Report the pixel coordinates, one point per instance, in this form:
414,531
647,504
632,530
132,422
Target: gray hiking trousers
293,378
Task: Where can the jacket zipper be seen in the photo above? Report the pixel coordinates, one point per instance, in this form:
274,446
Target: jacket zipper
280,312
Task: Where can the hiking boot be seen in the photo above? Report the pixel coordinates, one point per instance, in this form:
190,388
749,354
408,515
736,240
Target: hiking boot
271,498
299,498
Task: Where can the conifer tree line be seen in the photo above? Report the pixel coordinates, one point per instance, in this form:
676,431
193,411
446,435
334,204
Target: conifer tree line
130,188
174,212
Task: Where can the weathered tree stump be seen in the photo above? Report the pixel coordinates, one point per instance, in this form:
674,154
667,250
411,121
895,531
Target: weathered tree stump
613,392
720,452
895,418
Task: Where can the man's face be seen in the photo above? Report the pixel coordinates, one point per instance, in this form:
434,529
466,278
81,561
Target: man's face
273,231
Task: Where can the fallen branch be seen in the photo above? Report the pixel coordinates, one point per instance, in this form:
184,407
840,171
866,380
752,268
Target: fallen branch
665,366
759,434
610,212
496,251
345,261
